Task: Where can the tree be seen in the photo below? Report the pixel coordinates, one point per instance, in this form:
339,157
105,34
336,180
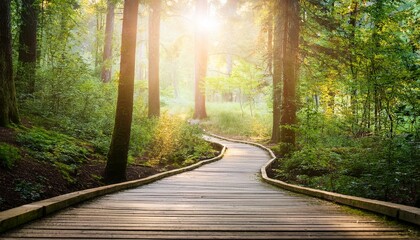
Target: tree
201,57
230,13
115,170
290,75
8,108
278,58
28,45
154,37
109,31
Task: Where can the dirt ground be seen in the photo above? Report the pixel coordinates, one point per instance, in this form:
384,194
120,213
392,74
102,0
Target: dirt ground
40,180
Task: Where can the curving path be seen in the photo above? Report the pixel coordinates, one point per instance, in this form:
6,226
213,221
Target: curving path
221,200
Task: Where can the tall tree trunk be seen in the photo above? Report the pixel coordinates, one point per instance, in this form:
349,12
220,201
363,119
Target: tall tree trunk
227,96
115,170
270,45
377,28
8,108
28,46
201,55
230,10
354,92
109,31
278,56
154,42
290,68
40,30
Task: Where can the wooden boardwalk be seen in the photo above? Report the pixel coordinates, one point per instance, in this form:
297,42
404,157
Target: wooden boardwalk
221,200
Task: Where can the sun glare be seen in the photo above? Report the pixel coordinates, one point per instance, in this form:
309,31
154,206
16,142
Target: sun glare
208,24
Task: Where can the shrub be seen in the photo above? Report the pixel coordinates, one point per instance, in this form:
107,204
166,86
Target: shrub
168,140
380,168
8,155
29,190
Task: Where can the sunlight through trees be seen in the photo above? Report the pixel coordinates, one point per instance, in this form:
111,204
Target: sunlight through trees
322,82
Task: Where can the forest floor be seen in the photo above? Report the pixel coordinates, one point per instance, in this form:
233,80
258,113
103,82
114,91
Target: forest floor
31,179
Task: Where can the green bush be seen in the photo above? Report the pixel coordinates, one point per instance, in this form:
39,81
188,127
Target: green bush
379,168
192,146
311,162
29,190
174,142
8,155
168,140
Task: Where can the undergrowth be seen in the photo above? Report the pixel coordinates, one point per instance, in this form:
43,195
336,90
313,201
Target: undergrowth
378,166
64,152
8,155
228,119
375,168
169,140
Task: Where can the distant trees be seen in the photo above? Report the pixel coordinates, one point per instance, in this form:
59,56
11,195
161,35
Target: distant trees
201,58
154,43
28,45
8,109
115,170
109,31
364,65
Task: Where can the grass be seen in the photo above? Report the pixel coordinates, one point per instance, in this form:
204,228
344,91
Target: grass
229,120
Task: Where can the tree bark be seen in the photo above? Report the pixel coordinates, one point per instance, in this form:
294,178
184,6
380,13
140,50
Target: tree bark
109,31
28,46
352,58
115,170
8,108
278,45
154,43
201,56
290,67
270,45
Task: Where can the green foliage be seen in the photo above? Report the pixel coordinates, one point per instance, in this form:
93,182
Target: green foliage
52,146
246,83
64,152
83,108
68,171
227,119
169,140
358,130
69,97
29,190
8,155
385,169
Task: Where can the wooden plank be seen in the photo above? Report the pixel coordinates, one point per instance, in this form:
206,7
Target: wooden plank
222,200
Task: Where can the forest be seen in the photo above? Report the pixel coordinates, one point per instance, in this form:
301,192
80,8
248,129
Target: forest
97,92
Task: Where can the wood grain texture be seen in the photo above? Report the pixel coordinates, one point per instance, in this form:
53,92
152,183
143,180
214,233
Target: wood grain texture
221,200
